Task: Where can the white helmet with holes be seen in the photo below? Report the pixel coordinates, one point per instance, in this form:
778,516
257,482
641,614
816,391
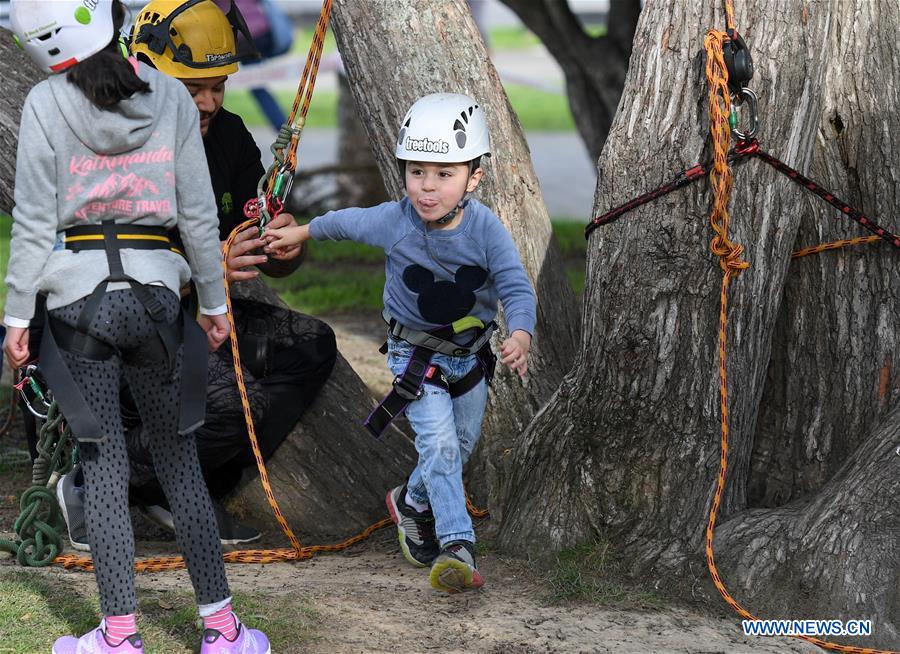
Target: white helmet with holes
443,128
57,34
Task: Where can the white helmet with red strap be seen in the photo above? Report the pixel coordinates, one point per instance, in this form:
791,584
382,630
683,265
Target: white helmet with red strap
443,128
57,34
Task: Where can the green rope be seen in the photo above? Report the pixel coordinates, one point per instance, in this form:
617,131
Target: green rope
40,523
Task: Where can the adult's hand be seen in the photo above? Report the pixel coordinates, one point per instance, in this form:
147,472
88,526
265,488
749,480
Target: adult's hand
241,256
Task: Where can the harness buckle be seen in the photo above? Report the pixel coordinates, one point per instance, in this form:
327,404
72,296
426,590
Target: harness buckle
405,391
155,308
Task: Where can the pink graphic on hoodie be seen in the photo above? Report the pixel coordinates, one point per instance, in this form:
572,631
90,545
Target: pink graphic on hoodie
123,194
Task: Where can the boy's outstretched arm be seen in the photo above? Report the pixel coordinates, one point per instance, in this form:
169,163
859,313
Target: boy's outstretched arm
514,351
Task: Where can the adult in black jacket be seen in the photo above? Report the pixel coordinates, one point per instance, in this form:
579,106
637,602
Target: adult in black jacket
286,356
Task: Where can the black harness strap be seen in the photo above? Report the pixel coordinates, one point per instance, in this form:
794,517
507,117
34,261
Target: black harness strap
410,386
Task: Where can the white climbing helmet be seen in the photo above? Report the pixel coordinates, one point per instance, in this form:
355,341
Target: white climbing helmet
57,34
444,128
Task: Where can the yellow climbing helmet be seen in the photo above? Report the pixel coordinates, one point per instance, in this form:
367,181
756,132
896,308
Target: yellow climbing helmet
190,38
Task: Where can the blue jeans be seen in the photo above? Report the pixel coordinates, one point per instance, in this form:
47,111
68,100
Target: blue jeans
447,430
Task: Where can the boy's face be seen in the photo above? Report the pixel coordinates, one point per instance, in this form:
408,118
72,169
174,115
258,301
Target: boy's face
436,188
208,94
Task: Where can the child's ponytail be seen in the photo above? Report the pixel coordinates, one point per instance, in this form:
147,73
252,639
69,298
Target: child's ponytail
107,77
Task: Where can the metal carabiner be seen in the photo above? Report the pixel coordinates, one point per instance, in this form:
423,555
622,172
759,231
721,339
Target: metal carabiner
738,101
33,384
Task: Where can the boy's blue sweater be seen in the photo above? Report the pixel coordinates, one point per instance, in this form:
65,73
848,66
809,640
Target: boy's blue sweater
436,276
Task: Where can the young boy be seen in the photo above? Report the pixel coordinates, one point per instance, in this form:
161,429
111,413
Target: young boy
448,260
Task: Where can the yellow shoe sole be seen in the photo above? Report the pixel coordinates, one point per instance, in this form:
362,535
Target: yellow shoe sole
452,576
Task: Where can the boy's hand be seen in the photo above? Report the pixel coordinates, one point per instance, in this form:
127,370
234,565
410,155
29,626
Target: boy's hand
282,241
279,221
241,255
217,329
16,346
514,351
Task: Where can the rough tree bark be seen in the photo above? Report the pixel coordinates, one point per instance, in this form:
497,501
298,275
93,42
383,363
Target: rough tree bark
594,66
330,474
804,435
394,53
632,434
18,74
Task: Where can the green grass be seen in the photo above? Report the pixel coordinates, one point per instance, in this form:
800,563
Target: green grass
512,37
322,110
35,609
303,39
589,574
538,111
570,238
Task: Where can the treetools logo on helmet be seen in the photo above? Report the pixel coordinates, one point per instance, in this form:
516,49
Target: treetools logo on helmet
427,145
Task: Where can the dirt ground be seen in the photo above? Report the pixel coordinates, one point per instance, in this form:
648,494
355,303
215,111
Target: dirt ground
369,600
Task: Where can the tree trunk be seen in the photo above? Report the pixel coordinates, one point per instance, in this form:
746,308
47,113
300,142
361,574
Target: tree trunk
804,435
396,52
18,74
594,66
329,475
632,435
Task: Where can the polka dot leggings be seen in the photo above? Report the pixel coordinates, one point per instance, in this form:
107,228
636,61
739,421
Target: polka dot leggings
123,322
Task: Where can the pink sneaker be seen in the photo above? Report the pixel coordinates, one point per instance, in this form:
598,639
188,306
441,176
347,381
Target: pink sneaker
94,642
247,641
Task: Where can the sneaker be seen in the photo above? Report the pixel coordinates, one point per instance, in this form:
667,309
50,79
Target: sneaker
231,532
94,642
247,641
71,503
454,570
415,529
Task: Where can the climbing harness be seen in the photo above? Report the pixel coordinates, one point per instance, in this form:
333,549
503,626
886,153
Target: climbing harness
58,336
409,386
727,54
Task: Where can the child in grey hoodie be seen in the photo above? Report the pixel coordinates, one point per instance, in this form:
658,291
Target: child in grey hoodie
109,158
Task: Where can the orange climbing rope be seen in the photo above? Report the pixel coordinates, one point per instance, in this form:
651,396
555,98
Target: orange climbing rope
730,260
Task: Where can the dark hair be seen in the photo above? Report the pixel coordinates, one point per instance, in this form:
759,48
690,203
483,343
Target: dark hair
106,78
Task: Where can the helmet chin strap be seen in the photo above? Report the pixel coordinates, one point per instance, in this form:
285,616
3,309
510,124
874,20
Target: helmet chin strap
459,207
